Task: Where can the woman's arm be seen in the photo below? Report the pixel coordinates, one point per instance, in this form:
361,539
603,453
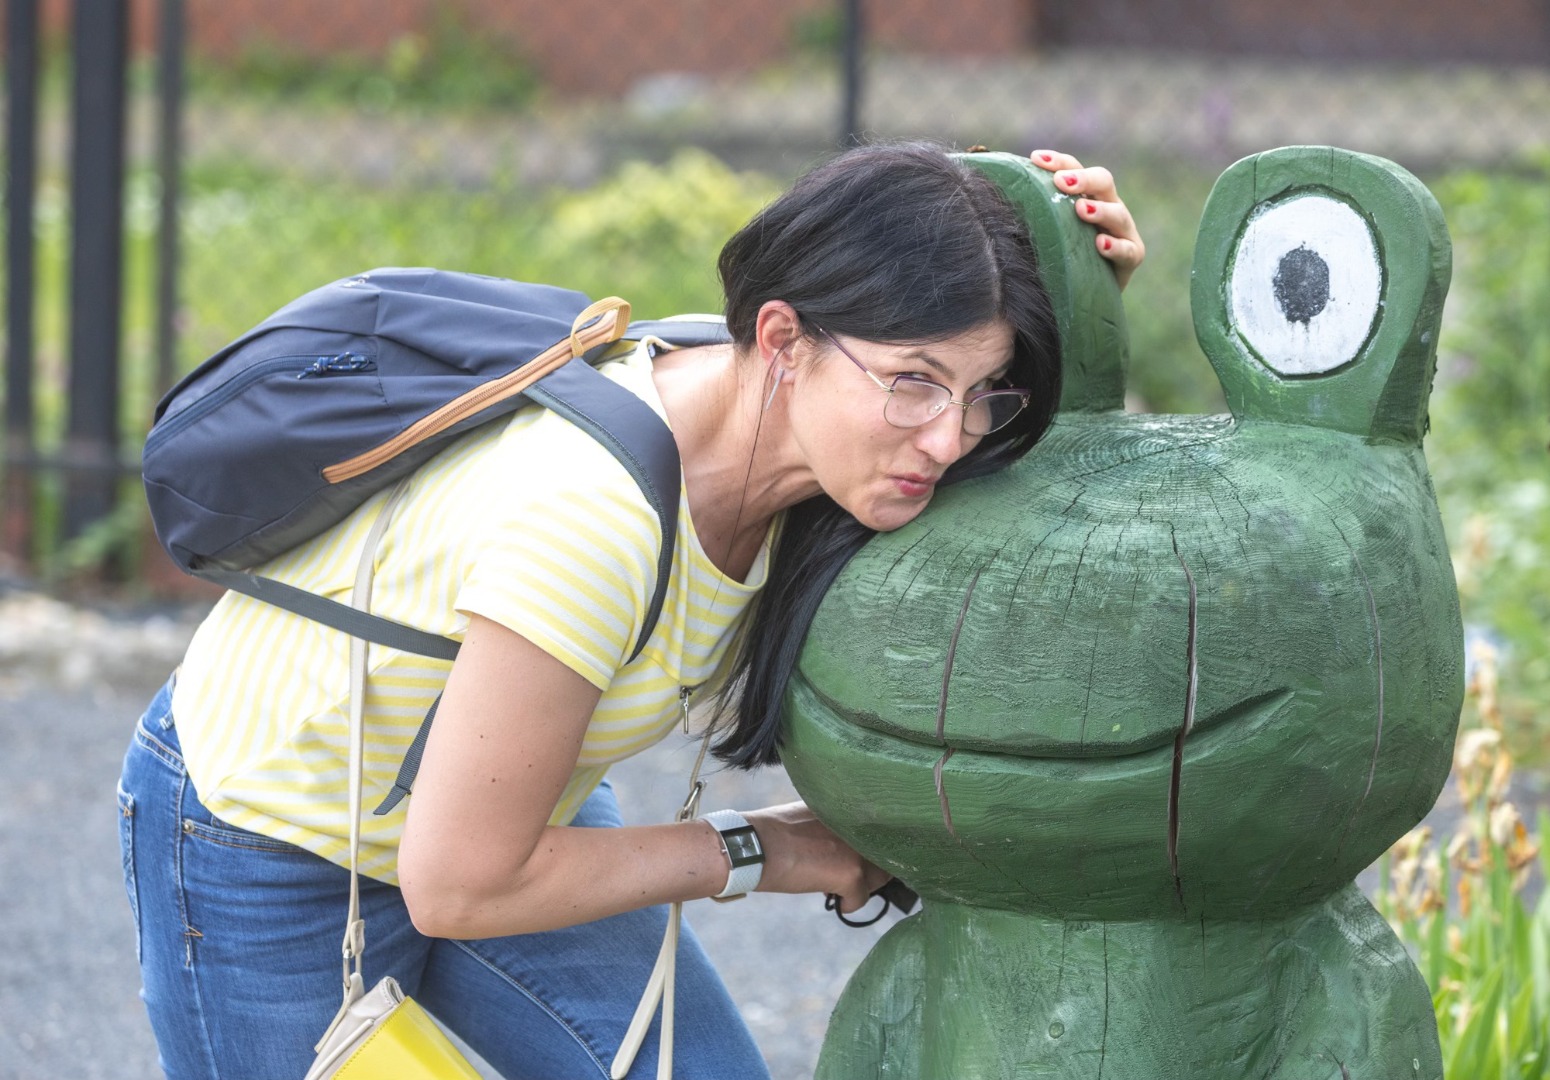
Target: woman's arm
1098,203
478,858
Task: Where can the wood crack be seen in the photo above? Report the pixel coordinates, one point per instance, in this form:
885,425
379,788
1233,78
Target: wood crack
1103,1047
903,555
952,652
1184,729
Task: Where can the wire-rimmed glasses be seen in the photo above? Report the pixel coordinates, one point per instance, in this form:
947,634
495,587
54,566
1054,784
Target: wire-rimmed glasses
913,400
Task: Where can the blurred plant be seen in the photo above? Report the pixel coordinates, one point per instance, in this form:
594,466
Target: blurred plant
1168,372
1459,906
819,32
1490,415
651,233
448,66
115,538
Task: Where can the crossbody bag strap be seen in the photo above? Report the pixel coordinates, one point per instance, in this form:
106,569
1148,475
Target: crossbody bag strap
660,984
354,948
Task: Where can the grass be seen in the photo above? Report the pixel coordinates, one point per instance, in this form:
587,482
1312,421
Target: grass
1459,905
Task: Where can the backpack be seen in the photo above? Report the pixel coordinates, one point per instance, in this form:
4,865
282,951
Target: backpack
346,390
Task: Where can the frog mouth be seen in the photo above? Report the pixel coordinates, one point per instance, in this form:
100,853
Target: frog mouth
1256,710
1162,756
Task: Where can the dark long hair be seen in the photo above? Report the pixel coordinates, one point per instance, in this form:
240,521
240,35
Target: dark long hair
899,244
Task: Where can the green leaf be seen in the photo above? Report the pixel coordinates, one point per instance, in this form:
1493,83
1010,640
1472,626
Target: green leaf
1473,1052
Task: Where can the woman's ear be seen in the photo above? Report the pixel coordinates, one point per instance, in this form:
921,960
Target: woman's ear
777,329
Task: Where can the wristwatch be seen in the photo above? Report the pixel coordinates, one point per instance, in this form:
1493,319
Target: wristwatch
741,844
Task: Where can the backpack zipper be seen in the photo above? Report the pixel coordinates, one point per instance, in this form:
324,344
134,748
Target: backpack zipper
345,362
216,398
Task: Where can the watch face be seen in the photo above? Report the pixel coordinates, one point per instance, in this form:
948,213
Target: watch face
743,846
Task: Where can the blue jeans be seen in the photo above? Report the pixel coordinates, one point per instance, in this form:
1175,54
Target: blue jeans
239,953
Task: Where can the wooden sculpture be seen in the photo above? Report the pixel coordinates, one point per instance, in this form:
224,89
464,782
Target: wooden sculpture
1132,715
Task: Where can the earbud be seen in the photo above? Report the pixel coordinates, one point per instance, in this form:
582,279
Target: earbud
780,373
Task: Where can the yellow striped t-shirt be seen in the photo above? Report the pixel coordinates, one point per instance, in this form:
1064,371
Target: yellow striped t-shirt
529,522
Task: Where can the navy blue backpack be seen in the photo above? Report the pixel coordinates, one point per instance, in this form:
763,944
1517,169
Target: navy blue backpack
351,387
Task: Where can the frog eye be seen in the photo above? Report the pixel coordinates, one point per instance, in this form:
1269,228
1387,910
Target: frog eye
1317,290
1306,285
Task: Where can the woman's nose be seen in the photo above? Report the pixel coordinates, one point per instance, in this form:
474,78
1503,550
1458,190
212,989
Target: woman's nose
942,438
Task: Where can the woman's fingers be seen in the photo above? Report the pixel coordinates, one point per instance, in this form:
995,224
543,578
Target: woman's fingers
1118,239
1096,201
859,895
1126,255
1054,159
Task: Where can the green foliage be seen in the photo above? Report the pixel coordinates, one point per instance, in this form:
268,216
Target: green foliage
1491,420
254,240
115,537
1168,372
821,32
651,233
449,66
1459,907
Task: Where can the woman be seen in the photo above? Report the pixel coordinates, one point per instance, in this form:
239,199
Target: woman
496,895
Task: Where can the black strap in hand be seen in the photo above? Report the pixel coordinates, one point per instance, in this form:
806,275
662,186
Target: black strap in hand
894,894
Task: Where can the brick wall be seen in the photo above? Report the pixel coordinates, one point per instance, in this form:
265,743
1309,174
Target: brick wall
1513,31
592,45
605,45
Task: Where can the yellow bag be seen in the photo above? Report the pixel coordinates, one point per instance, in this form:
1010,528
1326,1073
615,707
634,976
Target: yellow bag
384,1035
381,1035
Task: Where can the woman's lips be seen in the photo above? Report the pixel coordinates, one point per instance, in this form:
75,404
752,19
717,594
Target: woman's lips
914,486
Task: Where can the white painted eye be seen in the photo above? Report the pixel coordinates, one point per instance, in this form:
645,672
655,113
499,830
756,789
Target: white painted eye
1306,285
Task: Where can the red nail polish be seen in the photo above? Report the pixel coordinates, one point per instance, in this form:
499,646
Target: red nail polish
1045,157
1090,208
1070,181
1107,243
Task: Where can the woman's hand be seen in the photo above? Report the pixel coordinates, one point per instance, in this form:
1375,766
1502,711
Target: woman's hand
802,855
1099,205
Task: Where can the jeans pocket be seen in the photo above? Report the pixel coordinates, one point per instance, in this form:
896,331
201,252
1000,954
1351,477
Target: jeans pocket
220,832
126,845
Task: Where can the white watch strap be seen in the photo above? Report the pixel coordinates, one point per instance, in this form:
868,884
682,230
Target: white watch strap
744,853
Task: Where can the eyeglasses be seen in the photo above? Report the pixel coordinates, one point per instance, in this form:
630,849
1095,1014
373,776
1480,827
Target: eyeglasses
913,401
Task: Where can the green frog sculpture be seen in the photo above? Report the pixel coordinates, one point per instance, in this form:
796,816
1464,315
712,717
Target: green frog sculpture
1132,715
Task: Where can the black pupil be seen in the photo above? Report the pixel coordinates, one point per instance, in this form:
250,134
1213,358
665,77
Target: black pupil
1301,284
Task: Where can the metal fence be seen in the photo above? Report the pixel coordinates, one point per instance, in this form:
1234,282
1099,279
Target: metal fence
207,159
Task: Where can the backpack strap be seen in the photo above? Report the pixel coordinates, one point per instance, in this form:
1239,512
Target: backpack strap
352,621
683,333
640,439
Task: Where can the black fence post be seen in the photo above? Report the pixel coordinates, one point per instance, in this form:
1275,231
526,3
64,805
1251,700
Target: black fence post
169,160
101,30
850,119
21,152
